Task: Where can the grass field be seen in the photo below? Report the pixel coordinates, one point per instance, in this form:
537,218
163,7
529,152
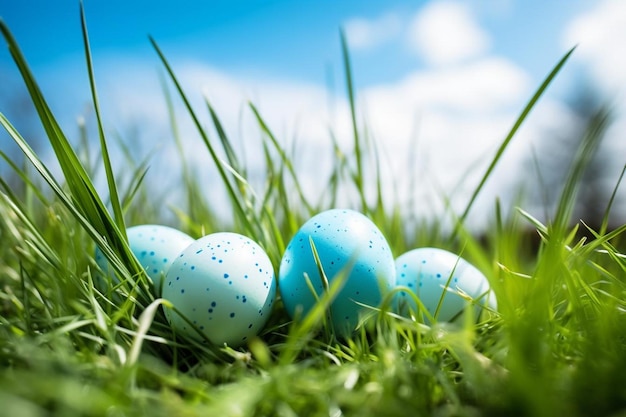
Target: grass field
557,347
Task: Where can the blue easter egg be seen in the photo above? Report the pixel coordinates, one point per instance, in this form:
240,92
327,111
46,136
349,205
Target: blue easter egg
350,246
154,246
438,278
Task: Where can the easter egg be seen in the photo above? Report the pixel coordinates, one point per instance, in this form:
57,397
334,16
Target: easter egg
155,247
349,246
223,286
437,277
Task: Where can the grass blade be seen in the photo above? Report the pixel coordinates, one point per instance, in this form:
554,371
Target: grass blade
283,156
605,218
357,176
525,112
231,155
234,197
115,200
586,151
84,201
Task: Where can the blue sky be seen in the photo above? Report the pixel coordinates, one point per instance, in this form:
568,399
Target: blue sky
453,74
295,39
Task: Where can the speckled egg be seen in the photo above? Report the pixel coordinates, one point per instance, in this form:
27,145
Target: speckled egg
344,239
224,285
155,247
433,273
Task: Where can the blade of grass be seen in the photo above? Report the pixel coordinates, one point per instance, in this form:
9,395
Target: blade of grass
283,156
340,167
197,207
145,321
357,176
586,151
507,140
84,201
24,177
605,218
47,176
231,155
219,163
115,200
75,176
121,265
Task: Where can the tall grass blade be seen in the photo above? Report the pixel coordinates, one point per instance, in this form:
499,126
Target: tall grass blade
507,140
115,200
219,163
357,176
84,202
231,155
197,209
607,212
145,321
283,156
586,151
24,177
86,223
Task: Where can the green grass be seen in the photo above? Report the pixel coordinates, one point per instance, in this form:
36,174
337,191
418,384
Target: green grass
556,347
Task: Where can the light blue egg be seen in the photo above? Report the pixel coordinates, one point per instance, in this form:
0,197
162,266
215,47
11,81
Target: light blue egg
224,285
345,240
155,247
433,273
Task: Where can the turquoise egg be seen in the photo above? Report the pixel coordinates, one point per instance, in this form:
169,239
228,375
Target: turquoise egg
437,277
346,242
155,247
223,285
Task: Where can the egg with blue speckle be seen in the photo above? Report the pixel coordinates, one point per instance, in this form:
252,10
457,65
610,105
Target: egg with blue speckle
155,247
346,242
224,286
432,273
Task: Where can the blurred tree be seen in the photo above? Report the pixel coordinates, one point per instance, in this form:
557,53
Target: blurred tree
553,160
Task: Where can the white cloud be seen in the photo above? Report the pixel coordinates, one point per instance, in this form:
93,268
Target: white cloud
460,116
601,34
481,86
446,32
365,34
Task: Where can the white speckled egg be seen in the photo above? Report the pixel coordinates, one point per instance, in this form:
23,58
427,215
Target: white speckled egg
155,247
428,271
223,283
342,238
